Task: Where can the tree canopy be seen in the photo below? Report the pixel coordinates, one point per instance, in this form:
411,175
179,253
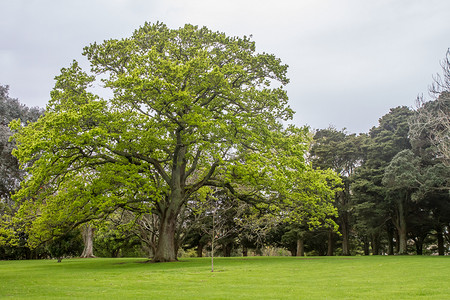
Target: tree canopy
11,109
187,108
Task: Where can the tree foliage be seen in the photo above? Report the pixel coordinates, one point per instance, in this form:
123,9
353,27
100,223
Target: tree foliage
188,108
373,209
10,173
11,109
342,153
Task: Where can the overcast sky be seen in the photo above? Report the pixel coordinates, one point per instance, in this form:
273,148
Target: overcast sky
350,61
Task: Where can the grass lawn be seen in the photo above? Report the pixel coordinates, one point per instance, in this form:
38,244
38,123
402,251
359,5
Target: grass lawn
382,277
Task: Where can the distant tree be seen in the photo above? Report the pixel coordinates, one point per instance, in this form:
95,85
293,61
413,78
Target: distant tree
340,152
434,197
68,244
401,177
430,138
115,237
10,173
299,240
315,192
375,212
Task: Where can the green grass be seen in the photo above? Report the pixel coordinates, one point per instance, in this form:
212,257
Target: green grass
393,277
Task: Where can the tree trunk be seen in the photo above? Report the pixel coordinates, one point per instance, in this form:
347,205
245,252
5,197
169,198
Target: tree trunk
440,241
397,244
227,248
300,248
345,235
330,251
244,251
88,240
200,250
419,246
115,253
165,250
401,228
366,246
375,244
390,235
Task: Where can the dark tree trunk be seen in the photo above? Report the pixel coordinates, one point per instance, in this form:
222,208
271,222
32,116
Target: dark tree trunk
200,250
88,240
244,251
366,246
390,234
300,248
227,250
345,234
397,244
375,244
330,251
115,253
440,241
419,246
293,250
418,242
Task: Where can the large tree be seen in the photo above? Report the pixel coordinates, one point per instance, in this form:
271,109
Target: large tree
182,109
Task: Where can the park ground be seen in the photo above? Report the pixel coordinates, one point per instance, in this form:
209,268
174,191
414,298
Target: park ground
360,277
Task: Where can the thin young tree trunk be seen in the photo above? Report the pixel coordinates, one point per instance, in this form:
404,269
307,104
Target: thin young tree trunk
212,254
213,238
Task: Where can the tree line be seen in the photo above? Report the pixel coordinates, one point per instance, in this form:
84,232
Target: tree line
190,154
